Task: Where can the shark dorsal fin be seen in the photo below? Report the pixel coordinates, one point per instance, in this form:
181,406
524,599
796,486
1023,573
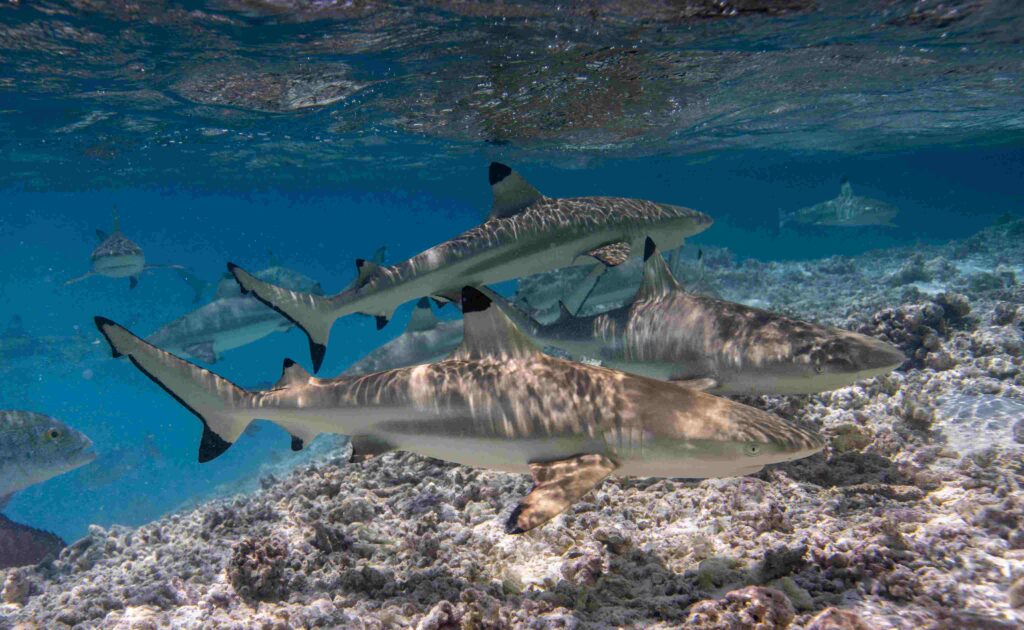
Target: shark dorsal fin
378,256
845,189
423,317
272,259
658,279
488,331
512,193
117,220
365,269
291,374
564,314
101,235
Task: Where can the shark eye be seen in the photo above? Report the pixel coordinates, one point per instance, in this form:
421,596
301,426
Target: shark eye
752,449
53,434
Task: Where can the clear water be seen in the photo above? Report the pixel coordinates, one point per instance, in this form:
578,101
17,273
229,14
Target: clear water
322,130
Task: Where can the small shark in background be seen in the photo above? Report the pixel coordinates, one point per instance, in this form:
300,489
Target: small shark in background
846,210
499,403
17,343
544,294
117,256
426,339
231,321
526,233
34,448
724,347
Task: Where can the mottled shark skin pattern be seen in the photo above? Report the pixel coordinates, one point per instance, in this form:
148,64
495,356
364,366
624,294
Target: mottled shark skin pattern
228,322
498,403
426,339
845,210
527,233
117,256
713,344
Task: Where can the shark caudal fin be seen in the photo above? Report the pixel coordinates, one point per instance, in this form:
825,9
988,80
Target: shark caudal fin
312,313
223,407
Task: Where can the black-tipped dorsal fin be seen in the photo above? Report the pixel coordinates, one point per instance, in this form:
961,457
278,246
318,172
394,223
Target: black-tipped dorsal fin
658,279
488,331
423,317
292,373
512,193
365,269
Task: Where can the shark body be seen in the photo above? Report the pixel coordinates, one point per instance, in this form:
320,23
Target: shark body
527,233
498,403
725,347
426,339
845,210
228,322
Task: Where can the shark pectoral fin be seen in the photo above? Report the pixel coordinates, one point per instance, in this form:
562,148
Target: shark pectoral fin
657,279
79,278
512,193
202,351
423,317
701,384
101,235
312,313
133,282
612,254
557,485
365,447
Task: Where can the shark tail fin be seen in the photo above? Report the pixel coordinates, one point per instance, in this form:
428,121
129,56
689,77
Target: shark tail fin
314,314
197,284
224,408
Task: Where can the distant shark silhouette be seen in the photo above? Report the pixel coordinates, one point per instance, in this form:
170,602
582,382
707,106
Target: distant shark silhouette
846,210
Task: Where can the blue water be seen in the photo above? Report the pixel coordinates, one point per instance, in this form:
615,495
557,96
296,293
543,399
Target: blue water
118,107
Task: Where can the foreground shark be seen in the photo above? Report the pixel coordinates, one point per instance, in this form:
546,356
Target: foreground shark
727,348
527,233
426,339
117,256
846,210
229,322
34,448
499,403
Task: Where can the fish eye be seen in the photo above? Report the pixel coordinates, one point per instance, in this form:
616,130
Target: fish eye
53,434
752,449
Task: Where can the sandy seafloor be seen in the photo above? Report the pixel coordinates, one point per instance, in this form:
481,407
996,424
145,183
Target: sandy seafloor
913,517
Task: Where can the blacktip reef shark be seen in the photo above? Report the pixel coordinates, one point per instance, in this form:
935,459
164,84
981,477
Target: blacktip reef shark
117,256
708,343
846,210
229,322
499,403
426,339
526,233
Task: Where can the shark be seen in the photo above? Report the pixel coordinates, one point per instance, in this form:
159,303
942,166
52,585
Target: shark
527,233
845,210
496,402
426,339
229,322
709,343
117,256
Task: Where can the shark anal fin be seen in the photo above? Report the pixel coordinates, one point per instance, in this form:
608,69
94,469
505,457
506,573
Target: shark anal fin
202,351
381,320
512,193
133,282
657,279
612,254
701,384
365,447
557,485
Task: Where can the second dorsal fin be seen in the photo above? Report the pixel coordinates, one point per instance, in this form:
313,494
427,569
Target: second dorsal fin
423,317
512,193
292,373
488,331
658,279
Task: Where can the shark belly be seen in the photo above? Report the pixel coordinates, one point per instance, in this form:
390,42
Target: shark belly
232,338
119,266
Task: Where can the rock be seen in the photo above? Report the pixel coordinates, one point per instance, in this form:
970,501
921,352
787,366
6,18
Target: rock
780,561
16,588
1018,431
800,598
754,607
850,437
257,568
837,619
717,571
1016,594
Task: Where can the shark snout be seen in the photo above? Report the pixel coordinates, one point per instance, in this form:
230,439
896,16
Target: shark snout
878,356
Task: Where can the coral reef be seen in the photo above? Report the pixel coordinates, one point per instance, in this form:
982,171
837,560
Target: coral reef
911,518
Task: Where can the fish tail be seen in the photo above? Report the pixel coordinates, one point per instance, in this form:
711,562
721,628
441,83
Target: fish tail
224,408
314,314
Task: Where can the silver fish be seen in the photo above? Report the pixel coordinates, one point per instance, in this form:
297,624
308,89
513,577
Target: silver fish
498,403
34,448
527,233
846,210
117,256
713,344
228,322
